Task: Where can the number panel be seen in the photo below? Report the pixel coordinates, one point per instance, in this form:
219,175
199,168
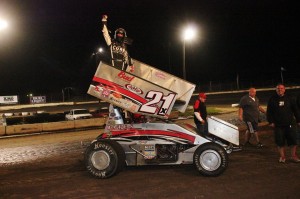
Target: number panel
158,103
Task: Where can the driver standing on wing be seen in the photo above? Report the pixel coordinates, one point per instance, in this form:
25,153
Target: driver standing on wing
120,58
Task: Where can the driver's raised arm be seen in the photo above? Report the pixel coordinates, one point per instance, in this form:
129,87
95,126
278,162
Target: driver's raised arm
105,30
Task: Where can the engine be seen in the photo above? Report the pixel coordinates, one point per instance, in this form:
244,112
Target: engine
152,153
162,152
166,152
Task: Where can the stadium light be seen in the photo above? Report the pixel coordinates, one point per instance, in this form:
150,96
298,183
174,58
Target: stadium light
3,24
189,33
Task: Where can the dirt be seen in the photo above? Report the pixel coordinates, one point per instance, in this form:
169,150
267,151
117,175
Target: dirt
51,166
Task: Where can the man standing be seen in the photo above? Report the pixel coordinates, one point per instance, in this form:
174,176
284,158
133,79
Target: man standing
249,109
200,114
281,114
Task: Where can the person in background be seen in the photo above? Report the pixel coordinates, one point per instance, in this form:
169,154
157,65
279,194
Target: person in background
200,114
249,109
281,114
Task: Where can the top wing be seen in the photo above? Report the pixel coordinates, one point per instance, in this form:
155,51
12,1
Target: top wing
131,92
183,88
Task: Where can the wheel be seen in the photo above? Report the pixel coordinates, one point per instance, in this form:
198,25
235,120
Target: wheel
210,159
104,158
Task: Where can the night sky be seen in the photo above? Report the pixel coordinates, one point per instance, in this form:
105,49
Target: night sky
49,44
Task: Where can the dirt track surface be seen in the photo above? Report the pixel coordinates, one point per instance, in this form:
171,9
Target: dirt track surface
51,166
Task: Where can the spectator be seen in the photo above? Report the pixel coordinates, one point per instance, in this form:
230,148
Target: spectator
200,114
281,114
249,109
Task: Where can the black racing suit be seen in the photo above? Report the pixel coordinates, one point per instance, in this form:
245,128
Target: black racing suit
119,56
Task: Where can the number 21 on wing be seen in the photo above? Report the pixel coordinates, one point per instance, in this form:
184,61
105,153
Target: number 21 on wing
152,107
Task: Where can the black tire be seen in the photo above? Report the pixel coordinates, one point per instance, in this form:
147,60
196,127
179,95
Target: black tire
210,159
104,158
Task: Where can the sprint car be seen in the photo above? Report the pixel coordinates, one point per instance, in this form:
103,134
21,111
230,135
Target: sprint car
158,143
152,93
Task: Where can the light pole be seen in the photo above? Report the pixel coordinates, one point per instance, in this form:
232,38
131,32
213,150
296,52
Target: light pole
281,70
63,92
29,97
63,95
189,33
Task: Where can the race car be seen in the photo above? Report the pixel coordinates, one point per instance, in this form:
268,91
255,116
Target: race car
154,144
151,92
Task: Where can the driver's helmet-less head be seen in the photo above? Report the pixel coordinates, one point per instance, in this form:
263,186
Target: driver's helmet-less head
120,34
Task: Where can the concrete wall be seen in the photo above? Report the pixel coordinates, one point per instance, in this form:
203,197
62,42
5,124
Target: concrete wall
89,123
23,129
53,126
2,130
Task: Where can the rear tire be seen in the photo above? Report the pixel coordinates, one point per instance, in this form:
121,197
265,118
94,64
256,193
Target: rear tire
104,158
210,159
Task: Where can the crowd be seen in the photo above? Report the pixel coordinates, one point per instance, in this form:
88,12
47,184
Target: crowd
283,116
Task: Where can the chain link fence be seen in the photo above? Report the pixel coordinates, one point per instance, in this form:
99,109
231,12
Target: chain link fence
217,86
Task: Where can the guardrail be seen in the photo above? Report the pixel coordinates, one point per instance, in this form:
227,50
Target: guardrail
52,126
18,129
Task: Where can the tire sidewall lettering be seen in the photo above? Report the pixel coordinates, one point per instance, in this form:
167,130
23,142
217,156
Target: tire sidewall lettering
106,147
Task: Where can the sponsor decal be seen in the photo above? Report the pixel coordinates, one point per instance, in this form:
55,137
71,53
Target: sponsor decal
149,148
105,93
117,95
99,145
127,103
118,49
134,89
37,99
118,127
99,87
117,118
112,114
142,141
160,75
115,87
9,99
115,100
133,108
125,76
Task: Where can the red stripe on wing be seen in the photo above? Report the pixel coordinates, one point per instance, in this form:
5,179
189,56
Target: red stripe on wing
116,87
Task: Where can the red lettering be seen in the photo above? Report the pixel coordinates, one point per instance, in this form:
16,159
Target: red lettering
123,75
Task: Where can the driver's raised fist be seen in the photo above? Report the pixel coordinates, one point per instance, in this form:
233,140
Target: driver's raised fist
104,17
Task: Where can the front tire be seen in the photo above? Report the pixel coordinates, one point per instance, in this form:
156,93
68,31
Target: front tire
104,158
210,159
